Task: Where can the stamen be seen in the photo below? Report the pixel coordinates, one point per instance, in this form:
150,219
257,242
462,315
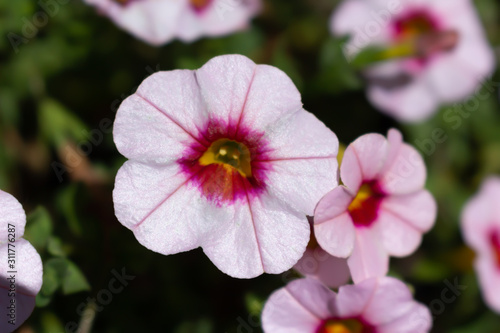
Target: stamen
230,154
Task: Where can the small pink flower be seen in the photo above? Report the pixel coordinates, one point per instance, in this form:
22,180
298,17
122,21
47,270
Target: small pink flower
319,264
377,305
381,211
159,21
20,266
481,231
225,158
449,55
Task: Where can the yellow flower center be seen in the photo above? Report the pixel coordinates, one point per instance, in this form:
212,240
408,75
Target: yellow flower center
343,326
200,4
230,154
364,193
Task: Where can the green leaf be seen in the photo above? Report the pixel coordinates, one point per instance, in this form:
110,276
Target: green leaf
55,247
38,228
58,123
74,280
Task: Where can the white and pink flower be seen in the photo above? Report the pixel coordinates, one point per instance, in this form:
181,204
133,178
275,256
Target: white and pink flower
377,305
382,210
160,21
481,231
20,266
225,158
446,55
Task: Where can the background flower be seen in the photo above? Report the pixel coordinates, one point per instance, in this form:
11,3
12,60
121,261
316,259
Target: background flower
382,210
445,55
382,305
481,230
159,21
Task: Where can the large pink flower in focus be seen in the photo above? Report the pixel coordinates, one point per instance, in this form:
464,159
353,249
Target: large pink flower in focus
319,264
382,210
450,57
377,305
481,230
159,21
20,266
225,158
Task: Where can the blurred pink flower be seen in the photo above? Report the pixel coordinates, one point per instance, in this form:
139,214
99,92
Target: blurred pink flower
481,231
225,158
160,21
450,55
377,305
20,266
381,211
319,264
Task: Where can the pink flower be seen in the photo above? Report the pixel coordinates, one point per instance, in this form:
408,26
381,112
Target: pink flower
481,231
383,305
441,50
20,266
159,21
319,264
225,158
381,211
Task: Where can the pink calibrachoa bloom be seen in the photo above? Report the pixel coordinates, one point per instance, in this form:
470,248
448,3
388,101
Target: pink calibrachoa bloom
481,230
20,266
382,210
319,264
160,21
377,305
225,158
445,54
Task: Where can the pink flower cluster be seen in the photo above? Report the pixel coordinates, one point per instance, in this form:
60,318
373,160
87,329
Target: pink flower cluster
226,158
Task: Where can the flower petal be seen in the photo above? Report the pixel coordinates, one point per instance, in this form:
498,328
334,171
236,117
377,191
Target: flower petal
479,213
152,21
176,94
406,174
410,103
352,299
220,18
142,132
297,308
489,278
161,220
393,310
265,235
225,82
301,182
28,281
13,214
333,226
369,258
370,151
330,270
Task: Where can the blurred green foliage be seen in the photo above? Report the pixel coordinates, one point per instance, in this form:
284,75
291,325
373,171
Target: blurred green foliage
61,81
